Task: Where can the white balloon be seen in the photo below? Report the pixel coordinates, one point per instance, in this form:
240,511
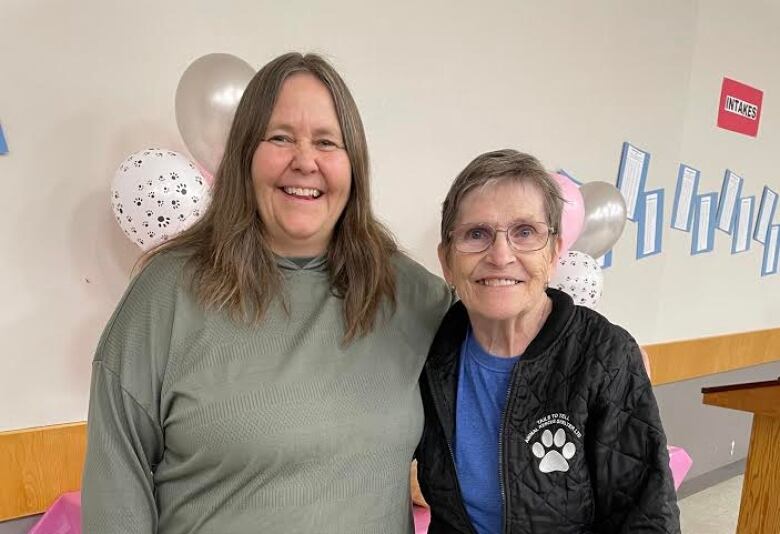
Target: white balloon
580,276
156,194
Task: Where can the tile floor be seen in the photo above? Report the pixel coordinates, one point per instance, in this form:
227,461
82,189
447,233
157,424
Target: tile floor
713,510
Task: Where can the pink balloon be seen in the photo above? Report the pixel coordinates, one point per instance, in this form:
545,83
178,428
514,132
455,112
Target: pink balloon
208,177
205,174
573,217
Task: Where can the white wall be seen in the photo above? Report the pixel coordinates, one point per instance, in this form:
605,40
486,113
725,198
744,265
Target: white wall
725,292
437,83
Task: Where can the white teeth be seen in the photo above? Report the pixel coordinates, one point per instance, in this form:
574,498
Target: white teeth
302,192
495,282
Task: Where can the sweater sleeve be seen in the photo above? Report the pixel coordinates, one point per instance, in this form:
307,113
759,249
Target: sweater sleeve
628,455
123,442
124,434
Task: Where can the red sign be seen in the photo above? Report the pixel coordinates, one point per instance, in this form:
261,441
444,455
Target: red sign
740,107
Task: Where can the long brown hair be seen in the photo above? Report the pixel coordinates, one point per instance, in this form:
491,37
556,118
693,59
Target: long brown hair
233,267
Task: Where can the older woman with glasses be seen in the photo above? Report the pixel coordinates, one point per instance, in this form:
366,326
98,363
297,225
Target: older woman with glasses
539,416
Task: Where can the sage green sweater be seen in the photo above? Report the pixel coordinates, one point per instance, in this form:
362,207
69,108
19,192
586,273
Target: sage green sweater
198,424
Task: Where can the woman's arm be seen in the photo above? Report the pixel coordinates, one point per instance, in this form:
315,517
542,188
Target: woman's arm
629,462
124,435
417,496
123,440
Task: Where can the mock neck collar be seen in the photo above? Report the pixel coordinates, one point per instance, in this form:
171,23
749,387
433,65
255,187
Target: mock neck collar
315,264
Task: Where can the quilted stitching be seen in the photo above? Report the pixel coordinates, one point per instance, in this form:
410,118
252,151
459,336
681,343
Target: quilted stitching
593,372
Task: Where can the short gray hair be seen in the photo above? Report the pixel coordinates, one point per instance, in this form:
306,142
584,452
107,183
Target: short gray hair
496,167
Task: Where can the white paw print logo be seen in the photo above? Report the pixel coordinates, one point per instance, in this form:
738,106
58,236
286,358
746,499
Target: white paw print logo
551,459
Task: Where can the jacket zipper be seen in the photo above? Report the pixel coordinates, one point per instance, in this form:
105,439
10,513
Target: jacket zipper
457,488
452,459
501,469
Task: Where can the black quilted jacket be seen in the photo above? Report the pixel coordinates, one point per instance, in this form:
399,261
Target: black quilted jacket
582,447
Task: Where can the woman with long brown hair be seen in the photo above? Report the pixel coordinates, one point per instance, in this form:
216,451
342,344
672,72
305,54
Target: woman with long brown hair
260,373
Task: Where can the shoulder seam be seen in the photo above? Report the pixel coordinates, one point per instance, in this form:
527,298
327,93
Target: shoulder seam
114,315
128,394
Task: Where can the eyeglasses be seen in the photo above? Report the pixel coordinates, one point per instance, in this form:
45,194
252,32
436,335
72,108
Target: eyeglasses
471,238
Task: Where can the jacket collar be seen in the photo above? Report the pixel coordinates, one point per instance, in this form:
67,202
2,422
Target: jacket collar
447,342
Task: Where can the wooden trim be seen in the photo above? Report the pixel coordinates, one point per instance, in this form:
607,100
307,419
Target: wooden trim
683,360
37,465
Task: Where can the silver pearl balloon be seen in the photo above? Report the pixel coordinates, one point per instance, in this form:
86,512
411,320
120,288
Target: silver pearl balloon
605,218
206,100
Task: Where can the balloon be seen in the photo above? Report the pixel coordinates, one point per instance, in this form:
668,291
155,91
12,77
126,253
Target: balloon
206,101
578,275
573,217
605,218
156,194
205,174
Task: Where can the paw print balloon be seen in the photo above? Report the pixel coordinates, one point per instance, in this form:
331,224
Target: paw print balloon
580,276
160,189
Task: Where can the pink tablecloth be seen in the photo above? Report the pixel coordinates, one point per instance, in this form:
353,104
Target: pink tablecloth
63,517
422,517
680,463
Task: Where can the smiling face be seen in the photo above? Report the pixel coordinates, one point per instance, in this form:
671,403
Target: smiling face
499,283
301,175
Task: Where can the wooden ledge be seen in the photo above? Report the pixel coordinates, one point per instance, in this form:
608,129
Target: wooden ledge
762,398
37,465
694,358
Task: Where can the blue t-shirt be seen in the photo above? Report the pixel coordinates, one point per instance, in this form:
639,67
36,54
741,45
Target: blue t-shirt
483,382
